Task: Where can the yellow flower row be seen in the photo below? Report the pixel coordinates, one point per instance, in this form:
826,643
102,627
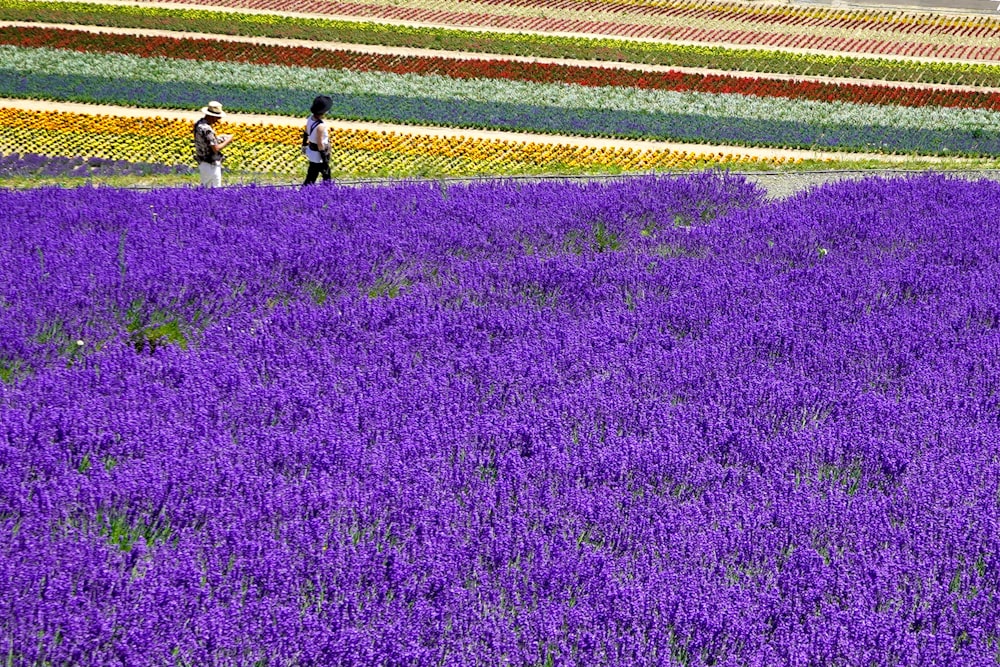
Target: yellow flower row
269,148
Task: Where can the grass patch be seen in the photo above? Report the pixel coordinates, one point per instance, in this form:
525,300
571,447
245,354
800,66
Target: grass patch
12,369
390,284
122,531
150,330
120,527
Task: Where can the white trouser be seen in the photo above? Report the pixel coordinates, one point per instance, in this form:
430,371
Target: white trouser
211,174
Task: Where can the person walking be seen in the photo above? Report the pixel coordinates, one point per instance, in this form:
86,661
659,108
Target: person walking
208,147
316,140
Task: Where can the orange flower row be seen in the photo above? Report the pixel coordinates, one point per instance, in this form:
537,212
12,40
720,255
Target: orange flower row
274,148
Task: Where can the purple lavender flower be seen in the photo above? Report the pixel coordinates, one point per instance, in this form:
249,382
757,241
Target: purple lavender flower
644,421
30,164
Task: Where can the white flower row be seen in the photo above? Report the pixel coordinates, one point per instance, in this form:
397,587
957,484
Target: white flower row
565,96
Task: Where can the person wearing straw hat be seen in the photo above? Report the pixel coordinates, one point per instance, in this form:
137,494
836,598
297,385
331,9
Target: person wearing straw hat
208,147
316,140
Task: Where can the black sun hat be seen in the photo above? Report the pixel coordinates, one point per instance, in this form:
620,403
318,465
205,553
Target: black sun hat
321,104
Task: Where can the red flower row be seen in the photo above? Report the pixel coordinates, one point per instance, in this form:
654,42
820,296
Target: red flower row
262,54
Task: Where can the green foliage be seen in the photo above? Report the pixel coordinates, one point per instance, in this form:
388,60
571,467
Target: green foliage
317,292
123,531
683,220
160,334
12,369
151,330
649,229
122,527
542,297
847,477
600,239
606,240
679,652
65,344
390,284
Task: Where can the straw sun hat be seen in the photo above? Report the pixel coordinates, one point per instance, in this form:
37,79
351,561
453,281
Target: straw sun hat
213,109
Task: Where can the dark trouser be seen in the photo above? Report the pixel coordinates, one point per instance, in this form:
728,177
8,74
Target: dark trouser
315,169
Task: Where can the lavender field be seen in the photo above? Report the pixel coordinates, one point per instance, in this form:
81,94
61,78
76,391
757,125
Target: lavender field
652,421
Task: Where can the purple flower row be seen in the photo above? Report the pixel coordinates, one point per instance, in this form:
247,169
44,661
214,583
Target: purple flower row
648,421
31,164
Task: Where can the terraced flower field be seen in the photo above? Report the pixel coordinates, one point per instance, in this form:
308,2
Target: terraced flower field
699,22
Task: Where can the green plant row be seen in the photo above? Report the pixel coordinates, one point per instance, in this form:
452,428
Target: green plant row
617,50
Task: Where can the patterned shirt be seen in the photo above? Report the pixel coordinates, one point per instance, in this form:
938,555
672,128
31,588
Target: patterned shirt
204,139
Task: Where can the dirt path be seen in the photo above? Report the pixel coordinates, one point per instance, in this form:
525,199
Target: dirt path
468,55
780,185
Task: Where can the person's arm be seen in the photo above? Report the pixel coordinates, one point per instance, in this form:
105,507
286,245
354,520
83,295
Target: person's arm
324,138
221,142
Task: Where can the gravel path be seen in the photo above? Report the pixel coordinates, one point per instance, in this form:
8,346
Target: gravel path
780,185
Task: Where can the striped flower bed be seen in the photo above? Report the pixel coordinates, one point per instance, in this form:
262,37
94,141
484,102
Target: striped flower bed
525,44
465,68
484,103
676,21
274,149
491,93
